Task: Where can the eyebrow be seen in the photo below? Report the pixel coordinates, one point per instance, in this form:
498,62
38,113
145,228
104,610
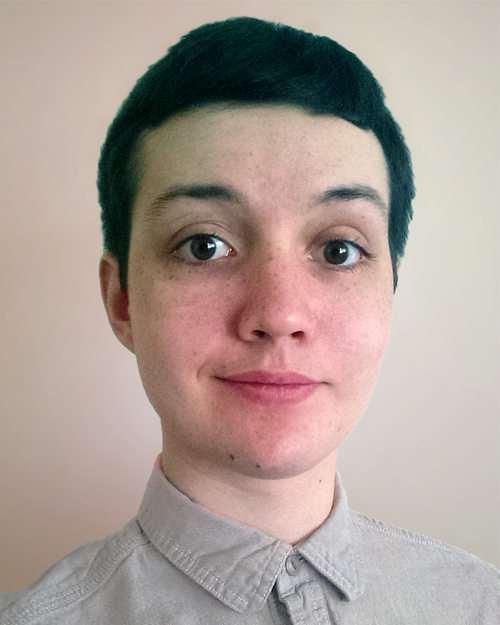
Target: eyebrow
196,192
207,192
353,192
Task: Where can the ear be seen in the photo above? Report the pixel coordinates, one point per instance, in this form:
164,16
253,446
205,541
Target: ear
115,300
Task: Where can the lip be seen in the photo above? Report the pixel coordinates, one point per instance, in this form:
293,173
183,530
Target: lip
269,377
266,387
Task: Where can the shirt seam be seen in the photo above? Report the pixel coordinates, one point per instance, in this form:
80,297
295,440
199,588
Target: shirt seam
63,599
405,535
191,557
329,571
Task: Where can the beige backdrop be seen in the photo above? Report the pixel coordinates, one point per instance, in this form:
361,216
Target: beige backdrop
78,437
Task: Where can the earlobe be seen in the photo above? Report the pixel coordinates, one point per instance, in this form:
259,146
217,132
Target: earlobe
115,300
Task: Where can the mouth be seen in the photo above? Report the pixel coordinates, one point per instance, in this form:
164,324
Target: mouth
264,387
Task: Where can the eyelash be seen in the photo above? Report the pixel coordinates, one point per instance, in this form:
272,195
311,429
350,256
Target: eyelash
197,263
364,254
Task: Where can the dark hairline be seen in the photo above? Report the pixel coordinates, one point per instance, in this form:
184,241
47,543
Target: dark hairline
136,162
240,62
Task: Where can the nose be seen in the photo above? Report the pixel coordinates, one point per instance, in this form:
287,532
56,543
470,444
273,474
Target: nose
277,304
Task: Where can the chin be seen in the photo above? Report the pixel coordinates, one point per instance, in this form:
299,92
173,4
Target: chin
280,461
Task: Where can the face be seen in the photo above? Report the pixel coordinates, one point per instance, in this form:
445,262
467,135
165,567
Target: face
260,285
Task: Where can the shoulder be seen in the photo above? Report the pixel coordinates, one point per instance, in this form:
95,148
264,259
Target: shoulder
419,562
70,580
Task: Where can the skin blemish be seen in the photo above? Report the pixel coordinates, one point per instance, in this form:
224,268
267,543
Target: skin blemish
231,456
258,466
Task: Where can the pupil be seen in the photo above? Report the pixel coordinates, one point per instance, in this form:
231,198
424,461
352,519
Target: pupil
336,252
203,247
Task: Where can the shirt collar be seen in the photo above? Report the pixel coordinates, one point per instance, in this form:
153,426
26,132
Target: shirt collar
237,563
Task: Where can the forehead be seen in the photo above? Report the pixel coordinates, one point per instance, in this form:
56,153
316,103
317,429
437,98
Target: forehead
269,153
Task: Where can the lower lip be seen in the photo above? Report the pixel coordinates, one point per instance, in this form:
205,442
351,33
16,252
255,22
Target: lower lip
272,393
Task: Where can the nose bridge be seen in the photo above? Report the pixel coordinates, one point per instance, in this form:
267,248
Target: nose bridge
277,302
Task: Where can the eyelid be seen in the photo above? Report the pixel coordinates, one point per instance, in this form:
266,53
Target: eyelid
196,261
354,244
364,254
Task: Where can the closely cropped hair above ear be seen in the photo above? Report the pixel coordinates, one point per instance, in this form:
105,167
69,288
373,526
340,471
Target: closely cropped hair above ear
246,60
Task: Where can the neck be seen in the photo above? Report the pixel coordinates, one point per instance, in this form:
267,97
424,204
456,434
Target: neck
289,508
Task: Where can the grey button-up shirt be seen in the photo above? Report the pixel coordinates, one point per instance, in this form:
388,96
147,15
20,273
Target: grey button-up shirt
179,563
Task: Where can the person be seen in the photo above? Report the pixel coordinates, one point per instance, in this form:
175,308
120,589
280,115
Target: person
256,195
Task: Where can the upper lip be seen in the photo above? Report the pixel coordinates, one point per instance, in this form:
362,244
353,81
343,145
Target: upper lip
268,377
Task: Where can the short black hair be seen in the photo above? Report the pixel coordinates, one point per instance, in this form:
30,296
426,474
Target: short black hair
247,60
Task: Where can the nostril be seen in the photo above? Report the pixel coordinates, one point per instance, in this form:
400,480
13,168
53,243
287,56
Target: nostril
299,334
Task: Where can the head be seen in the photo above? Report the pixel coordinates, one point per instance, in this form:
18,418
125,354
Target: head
248,61
256,196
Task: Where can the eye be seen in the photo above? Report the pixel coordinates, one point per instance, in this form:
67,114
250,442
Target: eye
202,247
341,252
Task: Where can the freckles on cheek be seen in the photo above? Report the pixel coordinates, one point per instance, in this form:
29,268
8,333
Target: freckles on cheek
187,318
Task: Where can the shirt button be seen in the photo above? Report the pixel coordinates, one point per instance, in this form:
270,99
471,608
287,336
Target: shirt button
292,564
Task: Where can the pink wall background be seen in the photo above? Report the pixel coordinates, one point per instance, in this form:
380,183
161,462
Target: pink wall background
77,435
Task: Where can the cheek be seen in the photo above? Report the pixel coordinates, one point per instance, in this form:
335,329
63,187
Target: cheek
174,332
356,334
175,324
